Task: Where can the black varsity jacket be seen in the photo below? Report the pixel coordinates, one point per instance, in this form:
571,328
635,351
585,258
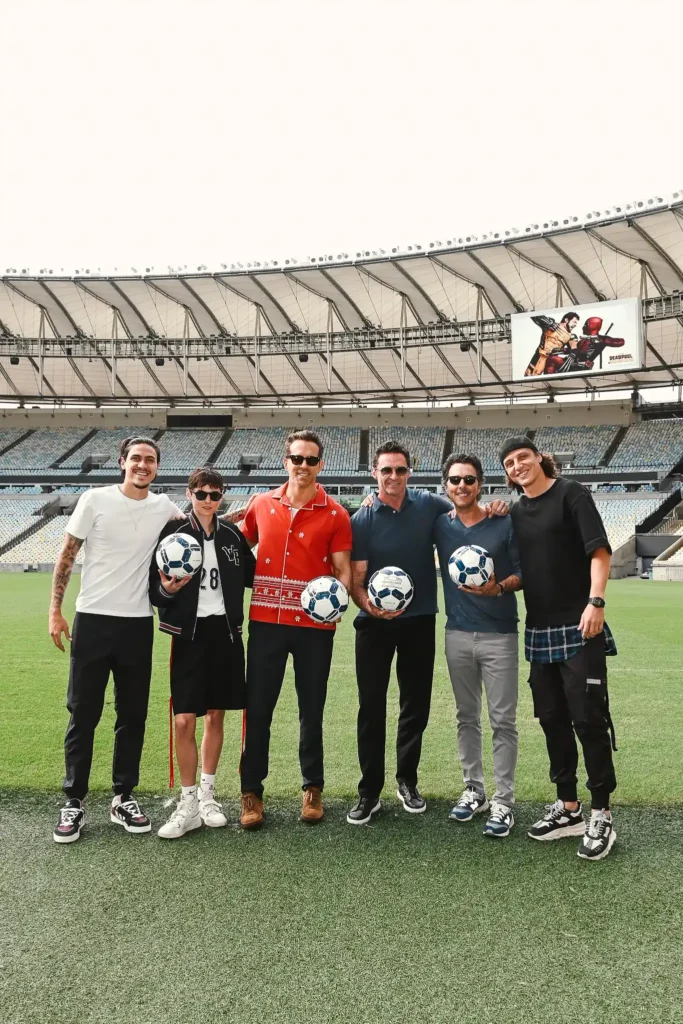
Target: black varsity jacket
236,564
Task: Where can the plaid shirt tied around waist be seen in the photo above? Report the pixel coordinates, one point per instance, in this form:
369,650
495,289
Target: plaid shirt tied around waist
559,643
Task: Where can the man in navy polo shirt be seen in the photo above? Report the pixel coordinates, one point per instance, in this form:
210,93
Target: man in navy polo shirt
396,529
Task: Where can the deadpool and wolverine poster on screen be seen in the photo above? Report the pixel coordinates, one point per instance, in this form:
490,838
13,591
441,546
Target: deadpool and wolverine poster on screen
603,337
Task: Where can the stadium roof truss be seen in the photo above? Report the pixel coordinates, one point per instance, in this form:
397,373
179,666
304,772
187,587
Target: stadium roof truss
410,326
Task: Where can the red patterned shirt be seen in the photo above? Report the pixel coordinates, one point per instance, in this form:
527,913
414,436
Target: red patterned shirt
292,551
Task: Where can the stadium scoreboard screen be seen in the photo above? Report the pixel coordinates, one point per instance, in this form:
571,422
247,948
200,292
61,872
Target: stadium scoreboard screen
600,337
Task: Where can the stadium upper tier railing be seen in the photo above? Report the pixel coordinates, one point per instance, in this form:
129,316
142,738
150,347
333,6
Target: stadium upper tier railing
466,332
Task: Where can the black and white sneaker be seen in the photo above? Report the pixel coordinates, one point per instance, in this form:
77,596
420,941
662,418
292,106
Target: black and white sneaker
125,811
501,820
363,809
71,820
470,803
411,799
558,822
599,837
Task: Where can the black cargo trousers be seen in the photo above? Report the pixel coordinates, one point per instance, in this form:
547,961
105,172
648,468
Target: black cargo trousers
570,700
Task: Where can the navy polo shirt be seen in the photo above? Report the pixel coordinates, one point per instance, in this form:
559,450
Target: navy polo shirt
467,611
384,536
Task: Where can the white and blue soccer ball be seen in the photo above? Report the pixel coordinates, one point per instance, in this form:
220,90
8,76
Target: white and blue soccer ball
325,599
179,555
390,589
470,566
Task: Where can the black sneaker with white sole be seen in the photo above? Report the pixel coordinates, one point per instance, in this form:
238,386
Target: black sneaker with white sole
411,799
71,819
126,811
363,809
599,837
558,823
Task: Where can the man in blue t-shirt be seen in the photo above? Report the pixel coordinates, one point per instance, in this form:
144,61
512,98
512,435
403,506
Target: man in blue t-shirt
481,643
394,529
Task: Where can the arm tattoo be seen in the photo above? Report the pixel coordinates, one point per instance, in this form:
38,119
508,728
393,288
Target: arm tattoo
63,568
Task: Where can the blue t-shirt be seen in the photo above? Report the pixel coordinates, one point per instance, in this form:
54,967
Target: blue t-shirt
403,537
467,611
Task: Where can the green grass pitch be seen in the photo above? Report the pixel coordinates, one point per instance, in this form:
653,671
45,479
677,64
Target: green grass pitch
413,919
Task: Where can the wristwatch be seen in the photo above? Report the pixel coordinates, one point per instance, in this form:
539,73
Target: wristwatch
597,602
501,591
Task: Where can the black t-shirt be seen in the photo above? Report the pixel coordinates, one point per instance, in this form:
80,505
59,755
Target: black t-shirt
557,533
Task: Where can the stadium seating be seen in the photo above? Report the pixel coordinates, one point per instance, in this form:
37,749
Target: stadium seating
16,515
184,450
341,447
40,449
425,444
621,515
43,546
589,444
104,442
651,444
484,443
9,436
269,442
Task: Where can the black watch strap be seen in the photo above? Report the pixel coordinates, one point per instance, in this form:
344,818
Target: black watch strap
597,602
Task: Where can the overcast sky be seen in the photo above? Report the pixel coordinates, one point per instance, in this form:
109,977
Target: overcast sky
150,133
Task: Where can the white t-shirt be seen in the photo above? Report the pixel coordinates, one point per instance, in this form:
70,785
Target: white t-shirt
120,536
210,592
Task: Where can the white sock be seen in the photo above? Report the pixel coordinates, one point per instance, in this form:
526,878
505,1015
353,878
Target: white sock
189,790
207,782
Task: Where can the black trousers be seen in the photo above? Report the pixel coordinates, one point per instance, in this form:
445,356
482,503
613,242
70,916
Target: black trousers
412,640
570,700
268,648
100,645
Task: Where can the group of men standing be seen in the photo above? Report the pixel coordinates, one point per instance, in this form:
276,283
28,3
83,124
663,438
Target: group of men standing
552,544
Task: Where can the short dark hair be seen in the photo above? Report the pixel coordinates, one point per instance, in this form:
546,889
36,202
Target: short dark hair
570,316
205,476
129,442
391,448
548,465
470,460
304,435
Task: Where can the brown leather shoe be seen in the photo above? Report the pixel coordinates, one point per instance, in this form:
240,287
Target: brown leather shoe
312,805
252,811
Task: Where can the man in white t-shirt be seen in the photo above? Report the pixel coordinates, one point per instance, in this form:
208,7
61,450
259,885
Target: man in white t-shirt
113,630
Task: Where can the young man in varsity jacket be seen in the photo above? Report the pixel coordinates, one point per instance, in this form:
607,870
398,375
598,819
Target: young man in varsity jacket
203,613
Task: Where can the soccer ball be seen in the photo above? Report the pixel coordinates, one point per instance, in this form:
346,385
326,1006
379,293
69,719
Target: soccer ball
325,599
470,566
390,589
179,555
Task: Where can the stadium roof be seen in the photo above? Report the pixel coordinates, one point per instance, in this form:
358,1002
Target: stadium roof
415,324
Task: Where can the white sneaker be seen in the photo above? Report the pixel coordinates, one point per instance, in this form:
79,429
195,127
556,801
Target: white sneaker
210,810
185,817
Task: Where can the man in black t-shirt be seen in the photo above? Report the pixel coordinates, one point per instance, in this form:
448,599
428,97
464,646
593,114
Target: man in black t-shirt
565,559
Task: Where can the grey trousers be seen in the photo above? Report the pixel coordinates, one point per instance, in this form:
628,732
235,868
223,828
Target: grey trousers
491,658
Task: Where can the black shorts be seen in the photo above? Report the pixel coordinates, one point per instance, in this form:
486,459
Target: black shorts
208,671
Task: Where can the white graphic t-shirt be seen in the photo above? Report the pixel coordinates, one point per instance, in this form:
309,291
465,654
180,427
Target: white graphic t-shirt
120,536
210,592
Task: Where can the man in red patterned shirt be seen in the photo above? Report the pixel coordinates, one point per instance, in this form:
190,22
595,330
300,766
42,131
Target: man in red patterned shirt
301,533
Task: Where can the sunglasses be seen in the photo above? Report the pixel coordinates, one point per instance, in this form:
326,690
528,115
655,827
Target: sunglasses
399,470
469,480
298,460
212,495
